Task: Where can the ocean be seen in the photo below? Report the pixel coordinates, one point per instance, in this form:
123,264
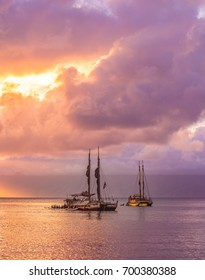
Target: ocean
172,229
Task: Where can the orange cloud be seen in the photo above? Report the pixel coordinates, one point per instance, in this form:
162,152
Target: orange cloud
123,73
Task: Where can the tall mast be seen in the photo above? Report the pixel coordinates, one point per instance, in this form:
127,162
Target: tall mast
88,174
142,180
139,182
97,176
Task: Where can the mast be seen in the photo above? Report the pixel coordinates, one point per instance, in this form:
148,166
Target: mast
97,176
139,182
88,175
143,183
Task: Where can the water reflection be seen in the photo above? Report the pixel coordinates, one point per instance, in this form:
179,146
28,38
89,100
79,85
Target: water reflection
168,230
94,215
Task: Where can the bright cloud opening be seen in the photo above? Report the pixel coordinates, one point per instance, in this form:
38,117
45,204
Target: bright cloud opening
36,85
93,4
201,13
193,128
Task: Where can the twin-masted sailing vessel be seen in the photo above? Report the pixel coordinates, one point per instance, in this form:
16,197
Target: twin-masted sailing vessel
85,201
140,199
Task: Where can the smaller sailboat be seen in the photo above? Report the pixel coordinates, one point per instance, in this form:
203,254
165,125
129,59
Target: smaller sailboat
140,199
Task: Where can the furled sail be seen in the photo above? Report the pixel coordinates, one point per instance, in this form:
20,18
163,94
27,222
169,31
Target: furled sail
97,176
88,175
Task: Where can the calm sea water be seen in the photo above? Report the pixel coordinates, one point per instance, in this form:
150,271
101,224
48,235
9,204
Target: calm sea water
170,229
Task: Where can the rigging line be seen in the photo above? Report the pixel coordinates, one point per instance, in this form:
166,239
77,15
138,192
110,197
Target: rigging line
146,185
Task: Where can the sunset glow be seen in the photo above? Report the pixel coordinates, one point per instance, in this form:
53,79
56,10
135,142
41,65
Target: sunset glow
30,85
11,191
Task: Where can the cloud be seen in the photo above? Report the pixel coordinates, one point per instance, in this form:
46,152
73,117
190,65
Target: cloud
38,34
146,86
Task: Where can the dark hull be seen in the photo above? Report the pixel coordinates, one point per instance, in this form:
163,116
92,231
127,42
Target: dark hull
108,206
103,206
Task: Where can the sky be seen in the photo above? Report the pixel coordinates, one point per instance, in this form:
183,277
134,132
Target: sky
127,76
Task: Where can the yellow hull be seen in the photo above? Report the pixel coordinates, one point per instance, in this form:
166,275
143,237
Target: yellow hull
139,202
132,204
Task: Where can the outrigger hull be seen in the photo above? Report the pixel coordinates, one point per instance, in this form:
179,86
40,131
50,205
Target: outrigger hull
102,206
89,207
108,206
93,205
